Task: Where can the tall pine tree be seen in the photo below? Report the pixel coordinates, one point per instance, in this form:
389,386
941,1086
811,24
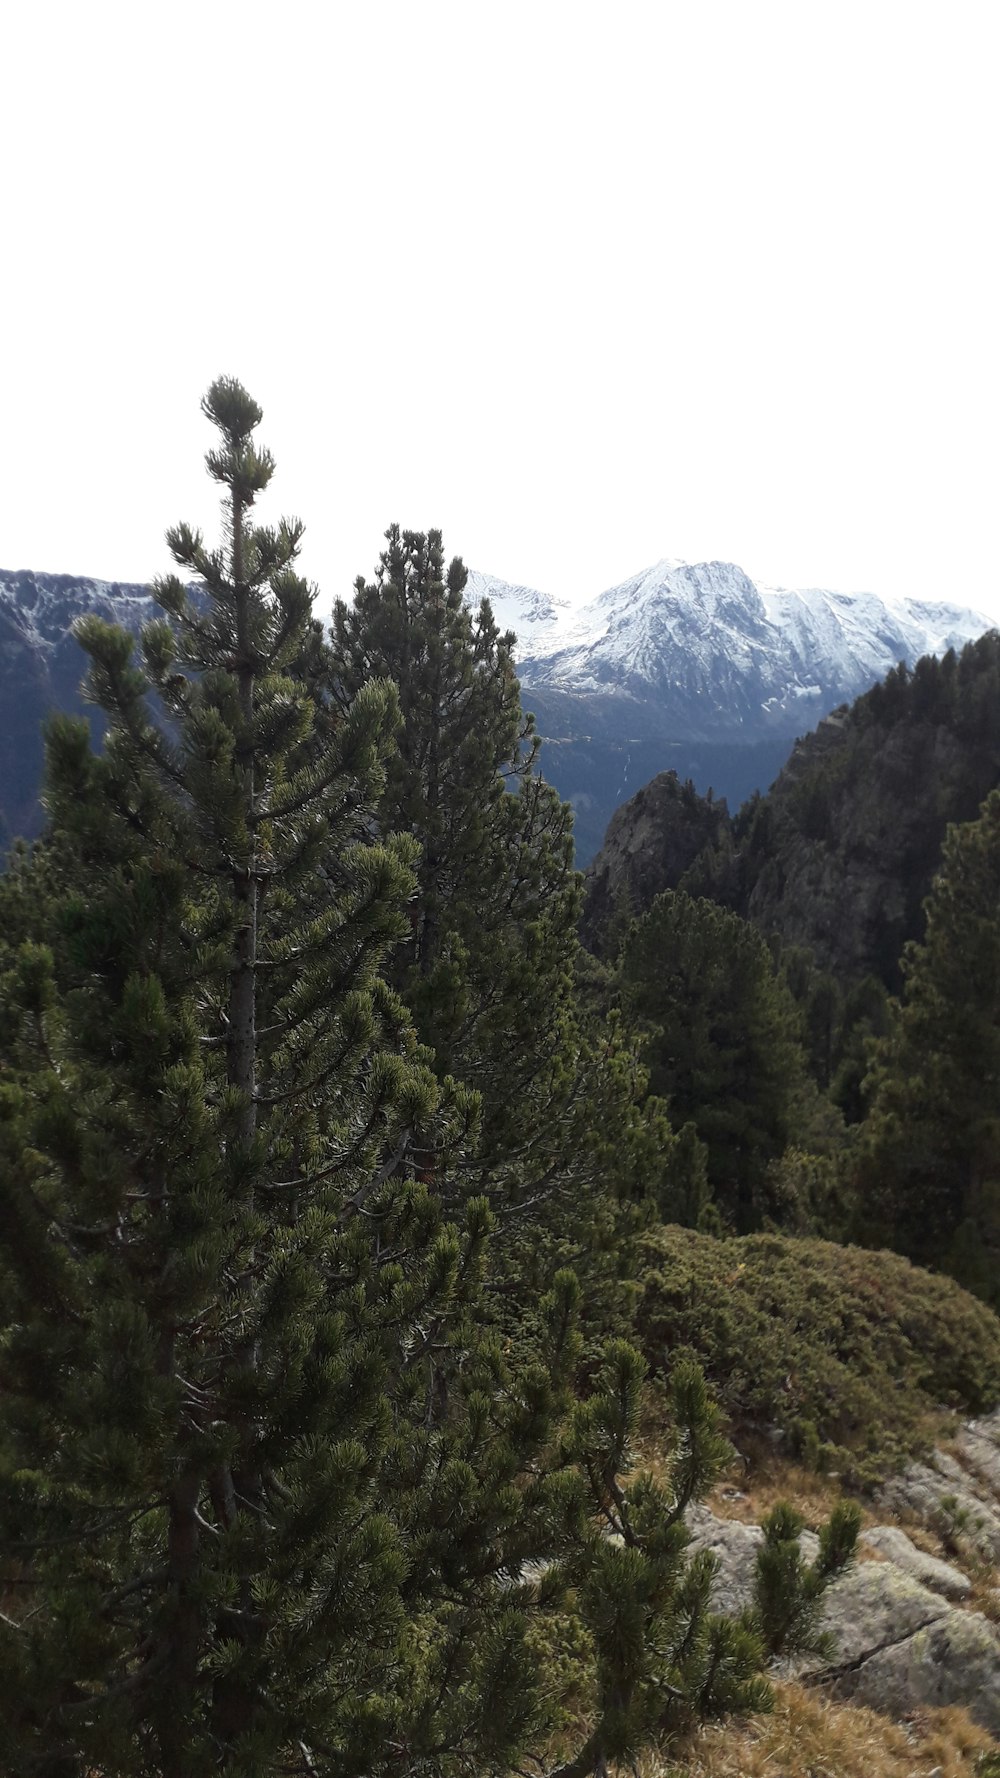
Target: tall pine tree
928,1173
274,1499
251,1431
490,970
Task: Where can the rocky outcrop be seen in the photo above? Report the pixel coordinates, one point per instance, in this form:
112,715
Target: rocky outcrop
957,1496
873,1607
955,1659
902,1635
893,1544
651,841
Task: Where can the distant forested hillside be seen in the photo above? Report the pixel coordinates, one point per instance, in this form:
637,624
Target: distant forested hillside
839,855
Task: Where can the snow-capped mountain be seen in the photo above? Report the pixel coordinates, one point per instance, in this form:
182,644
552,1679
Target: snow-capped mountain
687,665
528,613
698,651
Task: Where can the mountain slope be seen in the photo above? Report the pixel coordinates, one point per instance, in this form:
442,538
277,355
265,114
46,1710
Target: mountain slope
691,667
41,669
697,651
840,854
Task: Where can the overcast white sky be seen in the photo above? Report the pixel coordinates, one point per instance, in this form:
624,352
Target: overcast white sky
584,285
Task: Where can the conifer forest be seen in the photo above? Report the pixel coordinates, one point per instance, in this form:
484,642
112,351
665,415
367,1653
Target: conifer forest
408,1245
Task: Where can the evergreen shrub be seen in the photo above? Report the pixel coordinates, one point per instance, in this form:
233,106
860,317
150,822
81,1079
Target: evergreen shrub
844,1353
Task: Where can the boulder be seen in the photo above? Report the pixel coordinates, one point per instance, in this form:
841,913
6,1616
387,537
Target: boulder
897,1548
871,1607
978,1445
896,1642
954,1660
734,1546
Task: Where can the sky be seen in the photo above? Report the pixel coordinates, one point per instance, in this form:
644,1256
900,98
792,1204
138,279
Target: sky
582,285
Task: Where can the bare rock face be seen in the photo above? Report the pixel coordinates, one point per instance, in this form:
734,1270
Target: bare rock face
734,1546
979,1449
953,1660
892,1543
874,1606
947,1499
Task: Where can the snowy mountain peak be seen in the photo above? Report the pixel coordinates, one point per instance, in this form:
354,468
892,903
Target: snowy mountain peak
698,648
42,608
519,608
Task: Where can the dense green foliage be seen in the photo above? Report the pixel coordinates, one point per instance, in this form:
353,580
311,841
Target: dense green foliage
489,969
246,1405
928,1173
723,1047
847,1353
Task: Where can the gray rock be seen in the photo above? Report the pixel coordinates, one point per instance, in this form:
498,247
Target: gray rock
873,1606
981,1454
898,1549
734,1546
988,1425
950,1468
955,1660
896,1643
920,1493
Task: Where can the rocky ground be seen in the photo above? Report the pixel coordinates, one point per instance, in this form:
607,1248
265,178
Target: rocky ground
914,1623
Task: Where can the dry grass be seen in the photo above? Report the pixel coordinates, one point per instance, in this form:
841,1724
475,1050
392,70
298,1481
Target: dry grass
810,1736
757,1480
764,1477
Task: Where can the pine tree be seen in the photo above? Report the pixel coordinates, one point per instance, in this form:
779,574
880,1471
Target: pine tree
789,1590
723,1047
928,1177
490,972
274,1496
253,1432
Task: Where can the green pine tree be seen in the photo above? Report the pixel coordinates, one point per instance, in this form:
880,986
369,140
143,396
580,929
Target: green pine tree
275,1498
490,974
788,1593
260,1467
722,1048
928,1175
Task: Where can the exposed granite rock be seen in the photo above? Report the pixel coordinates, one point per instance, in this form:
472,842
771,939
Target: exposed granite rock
954,1660
944,1495
899,1638
734,1546
871,1607
979,1446
897,1548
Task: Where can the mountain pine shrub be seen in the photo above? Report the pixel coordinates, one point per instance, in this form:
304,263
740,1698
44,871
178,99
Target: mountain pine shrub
848,1354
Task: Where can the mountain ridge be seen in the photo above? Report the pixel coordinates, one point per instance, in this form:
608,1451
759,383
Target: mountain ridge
763,658
690,666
